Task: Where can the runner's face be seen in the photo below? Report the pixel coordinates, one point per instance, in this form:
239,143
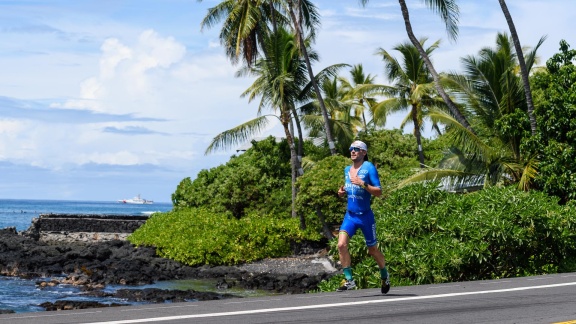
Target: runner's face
356,154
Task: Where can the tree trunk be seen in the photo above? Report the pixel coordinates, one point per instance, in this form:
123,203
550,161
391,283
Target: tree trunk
329,137
418,136
295,165
451,106
522,63
300,139
325,229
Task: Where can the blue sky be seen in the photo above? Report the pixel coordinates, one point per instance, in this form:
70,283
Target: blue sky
103,100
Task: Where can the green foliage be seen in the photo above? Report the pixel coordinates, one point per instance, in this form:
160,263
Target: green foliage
396,155
317,189
393,153
515,124
555,100
430,236
196,236
257,180
391,149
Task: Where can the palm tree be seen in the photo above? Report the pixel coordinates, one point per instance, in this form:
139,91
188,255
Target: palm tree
448,10
343,122
280,78
305,12
492,90
523,68
247,22
413,88
360,103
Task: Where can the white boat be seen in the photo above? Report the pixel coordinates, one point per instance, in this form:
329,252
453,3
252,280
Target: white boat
136,200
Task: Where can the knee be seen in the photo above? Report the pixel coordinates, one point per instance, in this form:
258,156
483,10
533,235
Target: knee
374,251
342,246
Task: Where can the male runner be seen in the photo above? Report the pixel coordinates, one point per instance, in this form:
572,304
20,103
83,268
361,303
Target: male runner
360,183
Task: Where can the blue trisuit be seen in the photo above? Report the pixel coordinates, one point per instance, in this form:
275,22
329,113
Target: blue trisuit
359,215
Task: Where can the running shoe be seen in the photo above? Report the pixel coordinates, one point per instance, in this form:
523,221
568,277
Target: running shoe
347,285
386,284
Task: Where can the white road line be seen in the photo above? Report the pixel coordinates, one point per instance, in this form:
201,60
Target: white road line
379,301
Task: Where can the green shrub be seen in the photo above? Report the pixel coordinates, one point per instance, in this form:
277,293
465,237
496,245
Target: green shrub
196,236
318,189
256,180
430,236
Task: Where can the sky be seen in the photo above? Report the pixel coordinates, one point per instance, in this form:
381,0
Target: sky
102,100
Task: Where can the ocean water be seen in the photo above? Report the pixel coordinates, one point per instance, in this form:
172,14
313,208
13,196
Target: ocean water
22,295
19,212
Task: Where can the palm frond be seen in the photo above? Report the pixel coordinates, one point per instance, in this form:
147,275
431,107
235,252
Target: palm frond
463,137
450,178
529,173
449,12
238,134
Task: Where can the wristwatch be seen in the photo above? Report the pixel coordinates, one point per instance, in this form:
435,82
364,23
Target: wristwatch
365,185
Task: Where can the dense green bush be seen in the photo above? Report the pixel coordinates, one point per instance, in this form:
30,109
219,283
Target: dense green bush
317,190
431,236
196,236
256,180
555,99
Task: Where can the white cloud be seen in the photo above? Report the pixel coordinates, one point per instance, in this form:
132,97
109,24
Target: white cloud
105,87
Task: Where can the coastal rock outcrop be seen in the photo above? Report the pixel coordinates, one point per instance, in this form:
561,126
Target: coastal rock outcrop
94,265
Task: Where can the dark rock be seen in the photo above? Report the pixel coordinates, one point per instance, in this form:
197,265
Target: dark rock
7,311
93,265
156,295
75,304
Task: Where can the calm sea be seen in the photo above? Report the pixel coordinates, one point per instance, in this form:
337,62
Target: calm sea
22,295
19,213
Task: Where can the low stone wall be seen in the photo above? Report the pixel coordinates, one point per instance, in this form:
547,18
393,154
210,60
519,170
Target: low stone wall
83,228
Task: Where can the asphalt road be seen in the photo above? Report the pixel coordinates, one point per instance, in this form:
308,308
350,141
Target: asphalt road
539,299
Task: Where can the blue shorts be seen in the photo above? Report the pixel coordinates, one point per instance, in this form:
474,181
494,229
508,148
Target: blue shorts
363,221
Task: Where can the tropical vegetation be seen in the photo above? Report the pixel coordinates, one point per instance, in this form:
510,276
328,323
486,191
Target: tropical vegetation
492,195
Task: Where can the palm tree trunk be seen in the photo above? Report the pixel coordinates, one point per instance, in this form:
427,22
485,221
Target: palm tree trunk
329,136
451,106
295,165
418,136
300,138
293,160
522,63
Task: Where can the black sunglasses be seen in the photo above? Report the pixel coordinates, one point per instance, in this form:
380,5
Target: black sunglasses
355,149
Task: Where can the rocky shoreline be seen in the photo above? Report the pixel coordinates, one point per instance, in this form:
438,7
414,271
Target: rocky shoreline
93,265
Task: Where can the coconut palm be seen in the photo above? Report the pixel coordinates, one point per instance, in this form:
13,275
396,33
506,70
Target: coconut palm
248,21
448,10
343,122
245,24
304,14
359,101
492,89
413,88
279,80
